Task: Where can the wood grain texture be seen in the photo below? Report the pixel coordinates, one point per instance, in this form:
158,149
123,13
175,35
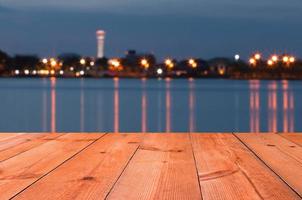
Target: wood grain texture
23,170
228,170
13,146
162,168
4,136
90,174
281,155
151,166
15,140
294,137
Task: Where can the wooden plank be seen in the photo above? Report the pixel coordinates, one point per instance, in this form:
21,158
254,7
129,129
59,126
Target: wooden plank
162,168
23,170
90,174
228,170
294,137
8,142
16,145
282,156
4,136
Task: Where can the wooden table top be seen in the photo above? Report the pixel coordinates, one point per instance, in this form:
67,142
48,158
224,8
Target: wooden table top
204,166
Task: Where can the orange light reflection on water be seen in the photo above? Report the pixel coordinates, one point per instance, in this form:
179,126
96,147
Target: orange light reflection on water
144,107
53,105
191,106
116,105
254,106
168,106
272,107
285,106
287,115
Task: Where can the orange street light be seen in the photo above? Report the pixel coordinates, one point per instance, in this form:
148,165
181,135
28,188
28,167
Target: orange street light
285,59
270,63
82,61
274,58
53,63
26,71
44,60
144,62
115,63
221,70
169,63
191,61
257,56
292,59
252,61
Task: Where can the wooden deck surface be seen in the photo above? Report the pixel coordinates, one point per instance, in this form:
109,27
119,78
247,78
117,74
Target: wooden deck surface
151,166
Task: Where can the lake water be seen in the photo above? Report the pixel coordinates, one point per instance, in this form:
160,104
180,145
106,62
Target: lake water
151,105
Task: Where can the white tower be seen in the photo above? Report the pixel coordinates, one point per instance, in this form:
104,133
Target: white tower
100,36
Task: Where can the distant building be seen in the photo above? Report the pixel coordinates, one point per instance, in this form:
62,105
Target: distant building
131,53
133,60
100,36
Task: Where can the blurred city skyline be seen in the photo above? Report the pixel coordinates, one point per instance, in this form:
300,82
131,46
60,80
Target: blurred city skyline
166,28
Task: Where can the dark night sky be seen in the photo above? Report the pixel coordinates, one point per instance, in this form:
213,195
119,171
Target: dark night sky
178,28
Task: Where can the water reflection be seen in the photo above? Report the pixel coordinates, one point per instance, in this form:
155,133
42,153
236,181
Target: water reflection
285,107
159,111
82,106
116,105
286,112
44,107
99,119
292,112
148,105
191,105
53,105
144,106
272,107
288,108
254,106
168,105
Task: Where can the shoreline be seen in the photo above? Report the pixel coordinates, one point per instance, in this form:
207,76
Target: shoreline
152,78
